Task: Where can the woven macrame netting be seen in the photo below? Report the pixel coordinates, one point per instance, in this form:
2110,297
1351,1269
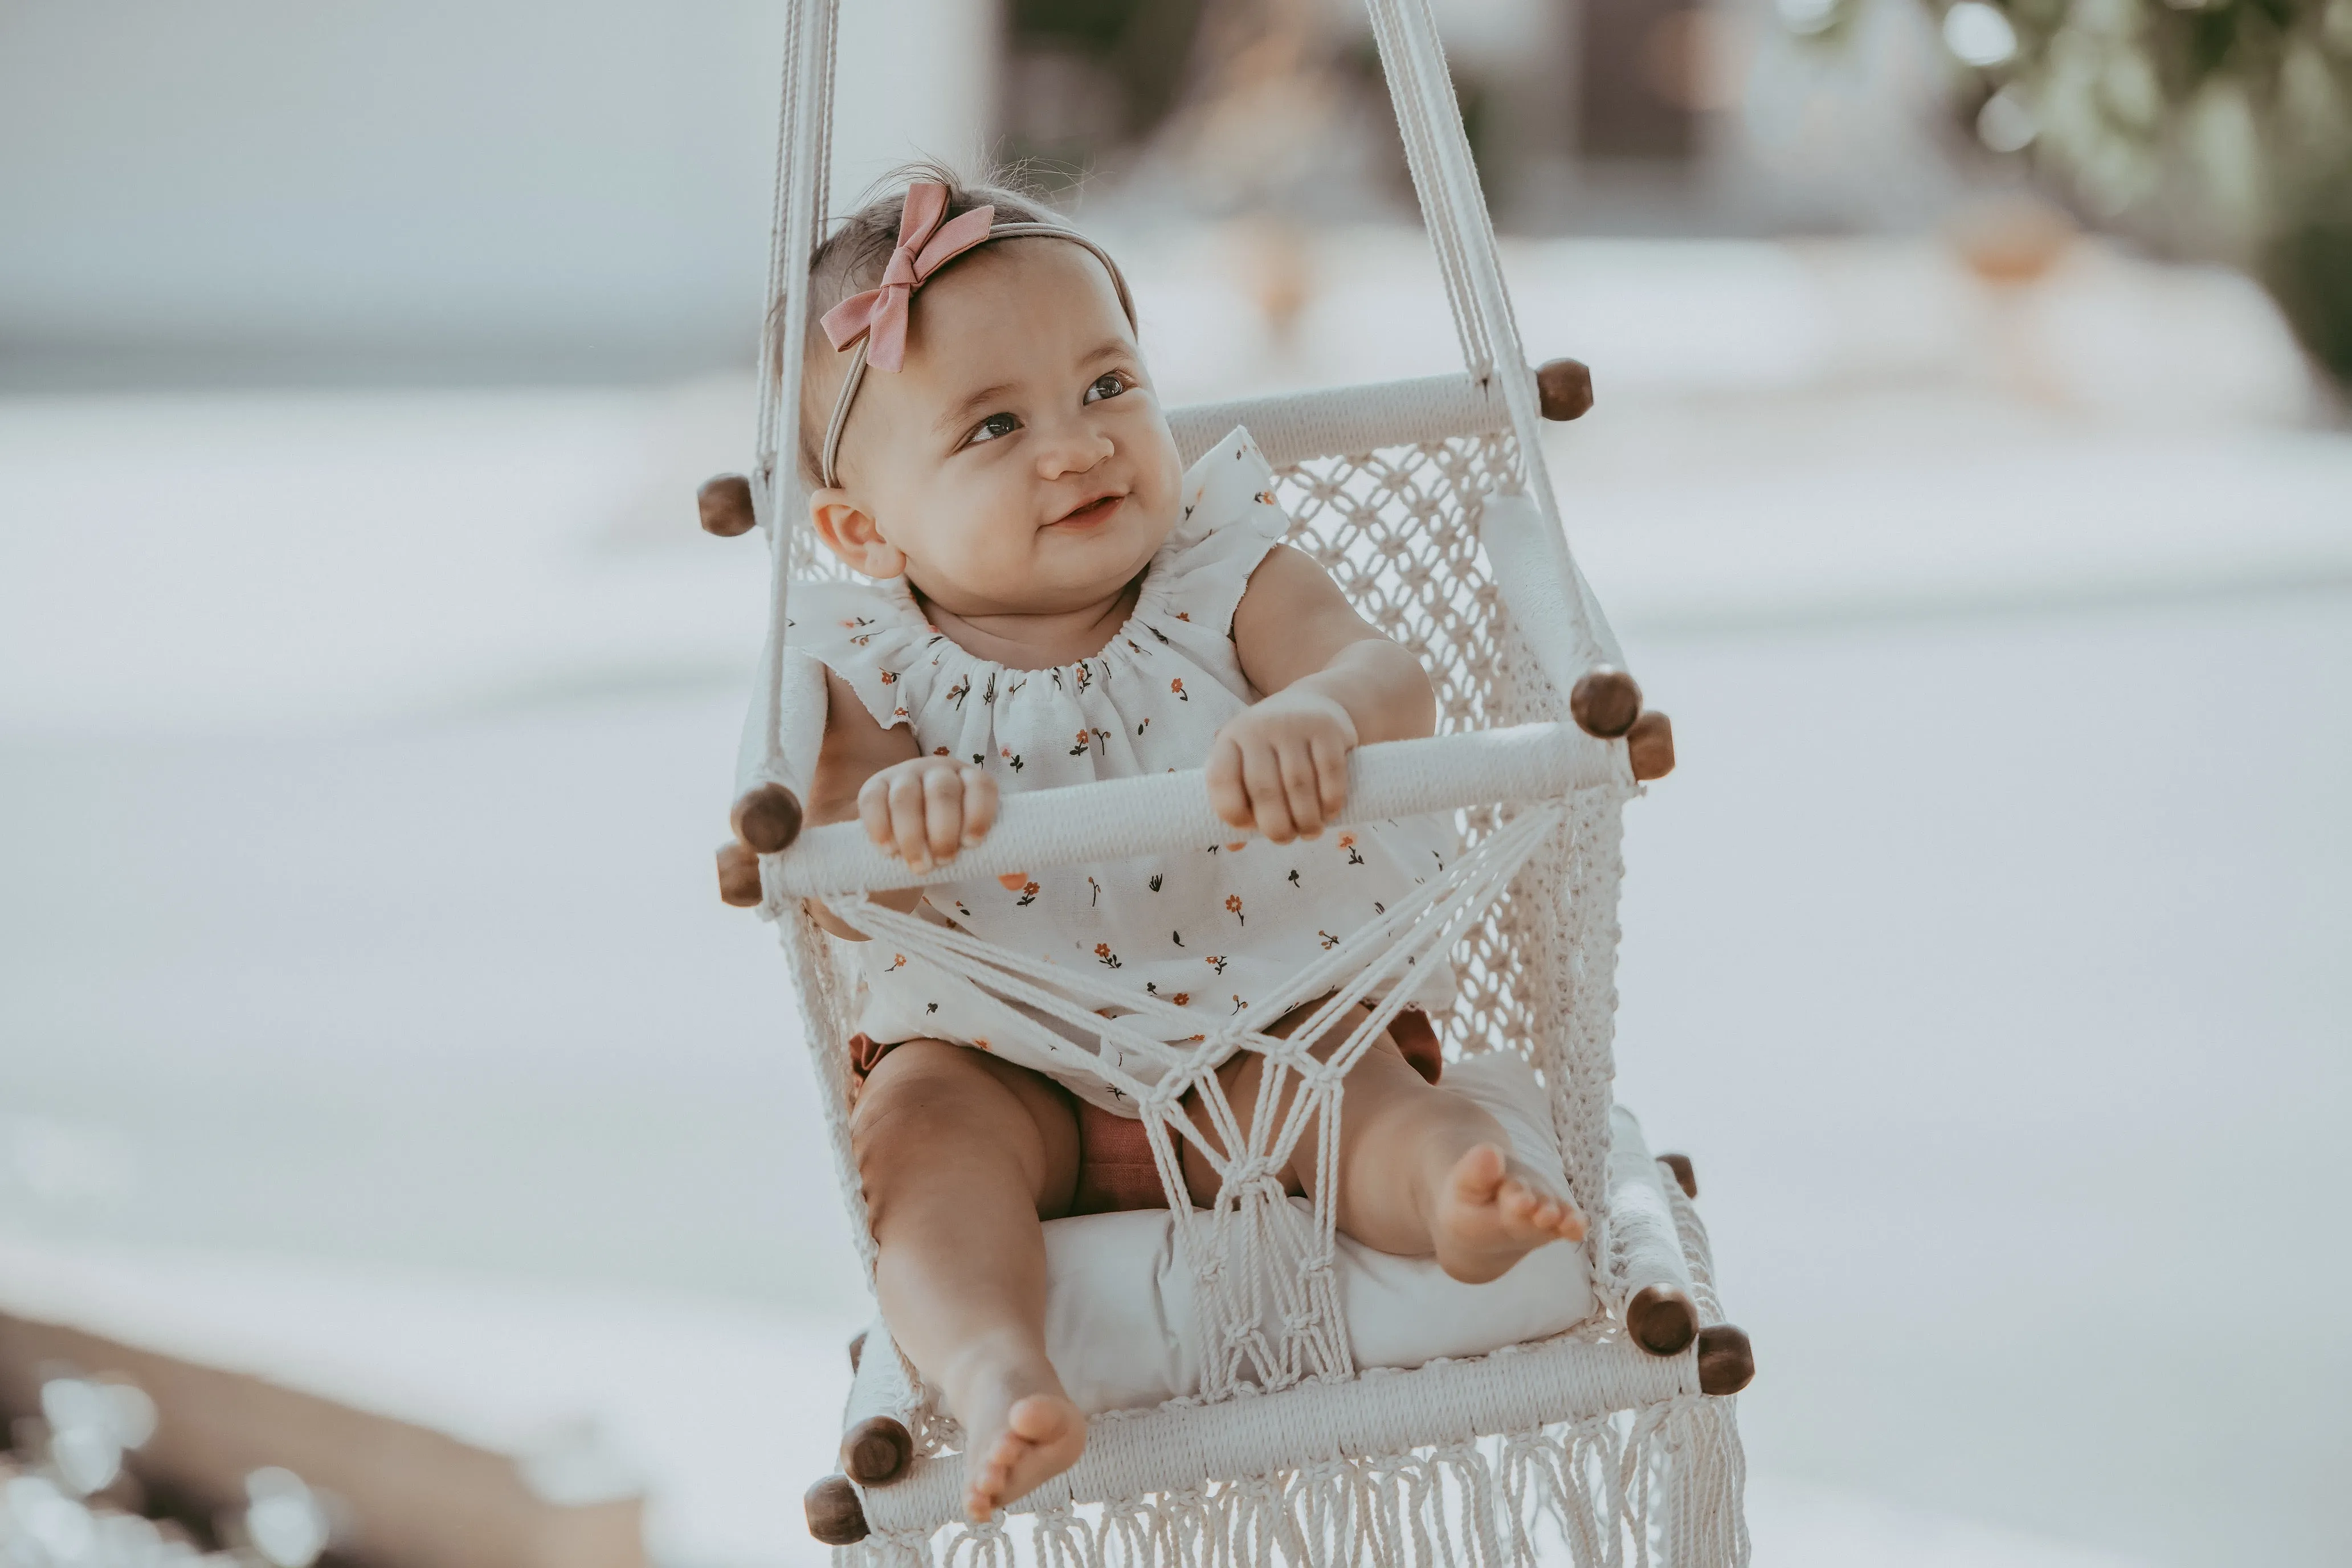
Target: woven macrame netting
1398,530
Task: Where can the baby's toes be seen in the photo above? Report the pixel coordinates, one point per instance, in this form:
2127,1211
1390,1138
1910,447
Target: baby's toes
1534,1211
1479,1175
988,1490
1556,1216
998,1467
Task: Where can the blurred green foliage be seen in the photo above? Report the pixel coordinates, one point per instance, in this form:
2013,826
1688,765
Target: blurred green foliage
2213,128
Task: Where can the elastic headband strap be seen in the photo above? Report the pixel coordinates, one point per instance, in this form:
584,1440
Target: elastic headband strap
856,376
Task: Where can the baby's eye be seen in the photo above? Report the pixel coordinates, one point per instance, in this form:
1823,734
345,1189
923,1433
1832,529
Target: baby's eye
992,427
1110,383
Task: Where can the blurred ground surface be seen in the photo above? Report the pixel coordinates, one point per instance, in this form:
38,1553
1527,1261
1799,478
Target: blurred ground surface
681,1395
361,758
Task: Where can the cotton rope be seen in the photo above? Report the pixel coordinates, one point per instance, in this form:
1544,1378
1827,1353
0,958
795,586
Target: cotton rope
804,185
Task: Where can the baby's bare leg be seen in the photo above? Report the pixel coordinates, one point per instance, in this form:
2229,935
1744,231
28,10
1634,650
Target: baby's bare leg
1423,1171
961,1155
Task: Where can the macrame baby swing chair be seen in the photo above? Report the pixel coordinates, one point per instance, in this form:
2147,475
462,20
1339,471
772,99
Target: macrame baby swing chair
1428,501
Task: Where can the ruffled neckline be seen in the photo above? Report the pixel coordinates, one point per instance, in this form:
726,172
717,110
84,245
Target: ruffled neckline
1149,592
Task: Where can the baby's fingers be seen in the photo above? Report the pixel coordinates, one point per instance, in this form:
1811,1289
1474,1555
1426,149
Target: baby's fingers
943,811
1227,796
978,805
874,810
906,825
1261,775
1302,793
1331,775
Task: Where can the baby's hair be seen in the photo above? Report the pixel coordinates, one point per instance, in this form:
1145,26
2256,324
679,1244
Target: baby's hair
853,257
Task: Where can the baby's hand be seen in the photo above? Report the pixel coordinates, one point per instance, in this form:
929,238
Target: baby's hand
1282,767
927,809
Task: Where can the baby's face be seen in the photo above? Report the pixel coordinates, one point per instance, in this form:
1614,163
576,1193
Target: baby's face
1020,461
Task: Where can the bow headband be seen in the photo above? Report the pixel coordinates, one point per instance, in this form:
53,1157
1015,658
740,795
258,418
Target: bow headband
876,319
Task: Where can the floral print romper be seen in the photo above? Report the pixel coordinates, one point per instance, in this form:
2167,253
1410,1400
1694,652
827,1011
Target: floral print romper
1212,929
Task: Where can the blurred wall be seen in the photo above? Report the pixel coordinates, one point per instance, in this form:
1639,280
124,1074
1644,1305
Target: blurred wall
241,190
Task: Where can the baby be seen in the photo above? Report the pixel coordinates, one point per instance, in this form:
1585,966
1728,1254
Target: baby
1055,599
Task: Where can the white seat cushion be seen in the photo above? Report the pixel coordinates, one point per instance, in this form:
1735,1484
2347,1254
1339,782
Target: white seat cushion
1119,1314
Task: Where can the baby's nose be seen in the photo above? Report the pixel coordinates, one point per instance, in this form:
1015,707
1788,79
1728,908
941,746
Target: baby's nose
1073,453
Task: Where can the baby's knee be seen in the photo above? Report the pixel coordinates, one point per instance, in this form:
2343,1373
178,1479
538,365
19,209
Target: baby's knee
923,1089
930,1111
1384,1068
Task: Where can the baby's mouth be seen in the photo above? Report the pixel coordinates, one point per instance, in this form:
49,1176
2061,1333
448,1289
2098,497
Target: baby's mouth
1091,512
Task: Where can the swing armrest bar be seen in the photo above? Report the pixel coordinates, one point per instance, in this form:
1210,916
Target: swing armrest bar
1646,1244
1339,421
1117,818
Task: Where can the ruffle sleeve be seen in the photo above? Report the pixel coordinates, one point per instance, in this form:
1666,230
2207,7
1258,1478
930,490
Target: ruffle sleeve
1230,520
874,637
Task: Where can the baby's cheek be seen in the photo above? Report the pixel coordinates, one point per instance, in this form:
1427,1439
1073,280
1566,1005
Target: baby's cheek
984,542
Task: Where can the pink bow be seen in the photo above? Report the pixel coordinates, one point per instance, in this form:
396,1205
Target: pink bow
925,245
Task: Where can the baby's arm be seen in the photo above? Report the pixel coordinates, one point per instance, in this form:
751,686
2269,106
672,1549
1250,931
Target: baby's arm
923,808
1332,683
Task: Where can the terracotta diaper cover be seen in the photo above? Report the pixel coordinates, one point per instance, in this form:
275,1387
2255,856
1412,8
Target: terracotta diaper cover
1116,1170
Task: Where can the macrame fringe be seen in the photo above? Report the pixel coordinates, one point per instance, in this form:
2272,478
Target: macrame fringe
1657,1487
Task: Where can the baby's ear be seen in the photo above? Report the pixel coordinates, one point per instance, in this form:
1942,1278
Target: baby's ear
852,535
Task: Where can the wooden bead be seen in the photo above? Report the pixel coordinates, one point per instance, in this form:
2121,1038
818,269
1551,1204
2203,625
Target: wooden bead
1650,745
1727,1361
738,875
857,1351
1605,701
1662,1320
835,1514
1564,388
876,1450
1685,1177
726,505
768,818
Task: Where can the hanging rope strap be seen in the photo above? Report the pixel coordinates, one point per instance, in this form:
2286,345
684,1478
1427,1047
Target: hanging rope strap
1453,206
803,193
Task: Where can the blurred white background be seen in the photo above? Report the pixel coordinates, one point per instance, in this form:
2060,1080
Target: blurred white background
368,702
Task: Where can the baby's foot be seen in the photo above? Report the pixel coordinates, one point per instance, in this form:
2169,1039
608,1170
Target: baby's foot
1038,1438
1492,1211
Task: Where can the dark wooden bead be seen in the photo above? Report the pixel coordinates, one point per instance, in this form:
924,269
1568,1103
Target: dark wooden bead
1662,1320
1650,745
768,818
1605,701
877,1449
726,505
835,1514
738,875
857,1351
1727,1361
1685,1177
1564,388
